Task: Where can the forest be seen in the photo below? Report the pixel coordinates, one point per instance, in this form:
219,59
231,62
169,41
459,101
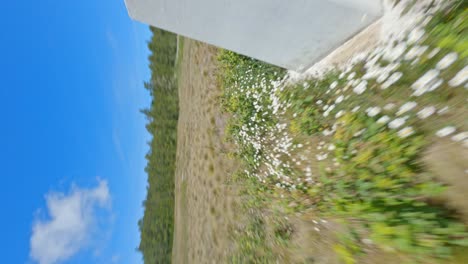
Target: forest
157,225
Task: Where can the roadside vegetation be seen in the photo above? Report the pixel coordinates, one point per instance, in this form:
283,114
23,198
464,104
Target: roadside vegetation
357,148
157,224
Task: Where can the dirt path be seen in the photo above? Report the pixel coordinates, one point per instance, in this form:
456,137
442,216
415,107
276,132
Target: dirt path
203,201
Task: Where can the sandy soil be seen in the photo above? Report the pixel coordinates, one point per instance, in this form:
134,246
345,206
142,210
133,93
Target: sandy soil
203,200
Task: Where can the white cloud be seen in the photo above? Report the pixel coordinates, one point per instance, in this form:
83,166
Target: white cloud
72,221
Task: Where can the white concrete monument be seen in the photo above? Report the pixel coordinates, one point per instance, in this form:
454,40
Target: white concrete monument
293,34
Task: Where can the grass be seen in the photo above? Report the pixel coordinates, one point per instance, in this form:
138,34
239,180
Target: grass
369,175
255,237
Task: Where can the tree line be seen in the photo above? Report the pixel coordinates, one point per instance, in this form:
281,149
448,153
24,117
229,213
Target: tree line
157,225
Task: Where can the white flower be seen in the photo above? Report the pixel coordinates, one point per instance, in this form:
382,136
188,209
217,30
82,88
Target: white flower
339,99
397,123
433,53
406,132
415,35
383,76
331,147
406,107
446,61
423,83
443,110
415,52
355,109
319,102
361,87
446,131
373,111
394,53
321,157
393,79
435,85
351,76
360,132
327,132
460,77
383,120
389,106
340,114
353,82
372,73
333,85
460,136
426,112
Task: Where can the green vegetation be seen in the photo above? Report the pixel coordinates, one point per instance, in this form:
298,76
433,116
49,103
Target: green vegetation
450,30
371,175
255,241
382,184
157,225
244,79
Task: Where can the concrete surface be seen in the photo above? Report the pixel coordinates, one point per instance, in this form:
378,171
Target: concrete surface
291,34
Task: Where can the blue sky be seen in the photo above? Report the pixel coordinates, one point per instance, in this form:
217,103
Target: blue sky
72,140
